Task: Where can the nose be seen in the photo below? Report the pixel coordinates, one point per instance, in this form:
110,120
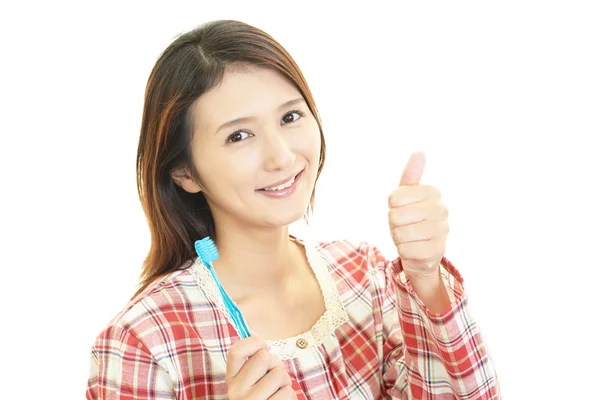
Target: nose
279,154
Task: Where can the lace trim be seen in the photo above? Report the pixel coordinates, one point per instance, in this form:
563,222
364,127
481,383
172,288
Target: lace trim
286,349
208,285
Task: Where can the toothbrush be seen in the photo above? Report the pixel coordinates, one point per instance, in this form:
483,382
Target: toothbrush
207,251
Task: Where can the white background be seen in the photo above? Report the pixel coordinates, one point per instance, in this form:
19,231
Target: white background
503,97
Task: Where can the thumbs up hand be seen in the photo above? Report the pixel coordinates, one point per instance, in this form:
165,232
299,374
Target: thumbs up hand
418,222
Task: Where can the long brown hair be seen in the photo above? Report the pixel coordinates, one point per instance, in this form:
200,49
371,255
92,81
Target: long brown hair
190,66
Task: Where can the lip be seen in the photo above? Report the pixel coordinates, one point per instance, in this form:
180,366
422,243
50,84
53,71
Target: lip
278,194
281,182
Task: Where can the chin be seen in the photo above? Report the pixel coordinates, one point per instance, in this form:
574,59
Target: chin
287,218
283,216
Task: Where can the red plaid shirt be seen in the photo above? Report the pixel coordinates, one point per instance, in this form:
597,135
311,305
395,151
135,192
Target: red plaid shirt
376,339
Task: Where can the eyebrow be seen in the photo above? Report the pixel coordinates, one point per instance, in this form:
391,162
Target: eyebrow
248,119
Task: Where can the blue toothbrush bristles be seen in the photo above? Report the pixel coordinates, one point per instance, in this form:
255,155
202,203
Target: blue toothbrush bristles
206,250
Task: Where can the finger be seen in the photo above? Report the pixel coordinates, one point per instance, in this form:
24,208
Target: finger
285,393
276,379
257,366
421,231
422,251
413,171
413,213
239,353
404,195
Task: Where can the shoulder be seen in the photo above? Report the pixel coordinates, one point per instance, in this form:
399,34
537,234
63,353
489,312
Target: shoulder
355,261
166,302
351,254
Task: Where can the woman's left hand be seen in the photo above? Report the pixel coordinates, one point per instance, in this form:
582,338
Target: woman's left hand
418,222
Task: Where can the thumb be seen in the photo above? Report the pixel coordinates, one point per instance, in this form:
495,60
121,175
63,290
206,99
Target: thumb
413,171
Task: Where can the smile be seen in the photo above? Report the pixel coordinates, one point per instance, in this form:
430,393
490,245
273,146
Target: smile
284,189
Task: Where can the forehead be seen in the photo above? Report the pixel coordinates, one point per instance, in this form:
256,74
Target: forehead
246,92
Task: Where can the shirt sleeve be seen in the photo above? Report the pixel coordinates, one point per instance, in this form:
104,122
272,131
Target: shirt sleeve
427,355
122,367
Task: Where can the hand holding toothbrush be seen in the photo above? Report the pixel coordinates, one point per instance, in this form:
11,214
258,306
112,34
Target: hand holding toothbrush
255,374
252,372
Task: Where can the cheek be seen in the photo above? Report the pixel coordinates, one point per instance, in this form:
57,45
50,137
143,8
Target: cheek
311,143
225,172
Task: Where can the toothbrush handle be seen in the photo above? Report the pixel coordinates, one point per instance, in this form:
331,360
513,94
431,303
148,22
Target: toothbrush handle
237,317
244,333
234,311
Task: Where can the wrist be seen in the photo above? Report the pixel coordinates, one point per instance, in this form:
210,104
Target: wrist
425,278
431,290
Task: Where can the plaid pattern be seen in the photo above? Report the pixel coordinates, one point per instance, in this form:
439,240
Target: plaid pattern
172,341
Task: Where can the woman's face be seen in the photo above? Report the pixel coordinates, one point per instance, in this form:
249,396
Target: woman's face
253,137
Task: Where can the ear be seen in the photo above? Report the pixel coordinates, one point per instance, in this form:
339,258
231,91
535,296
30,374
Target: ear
183,179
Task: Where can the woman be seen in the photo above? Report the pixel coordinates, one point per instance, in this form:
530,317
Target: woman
231,147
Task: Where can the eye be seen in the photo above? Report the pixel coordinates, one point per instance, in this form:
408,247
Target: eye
292,116
237,136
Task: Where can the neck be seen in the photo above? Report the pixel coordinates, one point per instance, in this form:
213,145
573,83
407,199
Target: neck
252,261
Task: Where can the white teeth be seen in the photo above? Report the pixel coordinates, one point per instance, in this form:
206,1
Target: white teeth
283,186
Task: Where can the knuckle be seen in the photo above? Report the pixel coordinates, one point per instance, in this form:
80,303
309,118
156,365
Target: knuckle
393,217
278,362
403,252
263,356
280,374
397,235
434,192
233,393
288,392
394,198
391,199
442,249
446,227
287,379
234,352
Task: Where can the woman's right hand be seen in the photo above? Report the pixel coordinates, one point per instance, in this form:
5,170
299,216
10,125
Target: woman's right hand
255,374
